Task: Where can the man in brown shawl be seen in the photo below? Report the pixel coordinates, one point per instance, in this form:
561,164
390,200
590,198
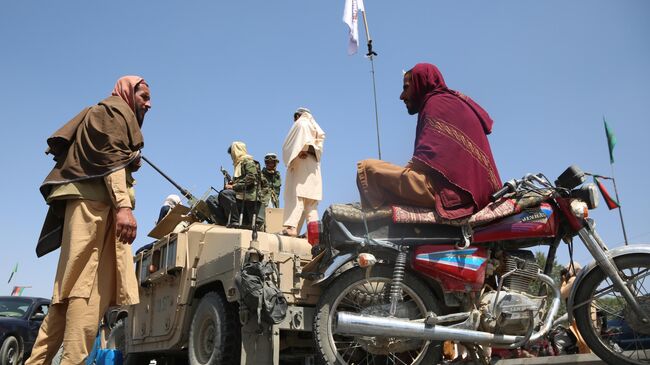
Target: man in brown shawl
90,194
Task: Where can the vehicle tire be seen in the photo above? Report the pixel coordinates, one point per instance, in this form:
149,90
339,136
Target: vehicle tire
354,292
10,353
214,332
597,292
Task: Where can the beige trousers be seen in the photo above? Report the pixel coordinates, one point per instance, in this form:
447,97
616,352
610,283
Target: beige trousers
73,321
297,210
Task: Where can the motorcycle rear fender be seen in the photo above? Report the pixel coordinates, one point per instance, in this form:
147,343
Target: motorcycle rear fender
336,264
612,254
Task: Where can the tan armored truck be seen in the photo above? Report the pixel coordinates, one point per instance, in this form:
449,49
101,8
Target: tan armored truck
189,310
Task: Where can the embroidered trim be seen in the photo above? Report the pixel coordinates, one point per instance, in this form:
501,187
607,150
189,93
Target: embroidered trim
469,145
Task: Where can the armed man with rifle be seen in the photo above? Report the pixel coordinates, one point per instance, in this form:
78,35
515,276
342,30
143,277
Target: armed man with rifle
238,203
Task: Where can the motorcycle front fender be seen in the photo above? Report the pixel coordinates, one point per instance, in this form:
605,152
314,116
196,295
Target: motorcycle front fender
612,254
336,263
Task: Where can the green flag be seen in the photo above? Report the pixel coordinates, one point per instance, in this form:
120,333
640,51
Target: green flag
611,141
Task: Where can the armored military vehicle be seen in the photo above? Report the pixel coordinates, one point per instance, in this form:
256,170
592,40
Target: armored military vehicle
189,301
189,298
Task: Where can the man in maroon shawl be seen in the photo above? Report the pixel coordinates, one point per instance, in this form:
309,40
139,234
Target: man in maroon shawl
452,168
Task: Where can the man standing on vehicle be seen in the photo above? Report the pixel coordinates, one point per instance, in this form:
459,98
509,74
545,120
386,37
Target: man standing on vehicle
452,168
271,181
90,194
303,185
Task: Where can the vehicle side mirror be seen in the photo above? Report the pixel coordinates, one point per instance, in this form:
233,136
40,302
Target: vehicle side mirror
38,316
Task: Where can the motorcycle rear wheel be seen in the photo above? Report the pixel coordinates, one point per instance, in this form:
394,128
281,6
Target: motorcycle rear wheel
353,292
605,321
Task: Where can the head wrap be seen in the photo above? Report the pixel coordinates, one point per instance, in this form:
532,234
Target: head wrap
451,138
172,200
301,110
125,89
238,153
304,132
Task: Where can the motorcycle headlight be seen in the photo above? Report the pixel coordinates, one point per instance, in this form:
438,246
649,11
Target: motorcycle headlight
579,208
587,193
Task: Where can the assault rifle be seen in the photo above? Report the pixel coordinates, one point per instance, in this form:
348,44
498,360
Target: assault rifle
227,179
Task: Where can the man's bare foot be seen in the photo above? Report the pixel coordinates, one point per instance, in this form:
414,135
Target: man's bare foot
289,231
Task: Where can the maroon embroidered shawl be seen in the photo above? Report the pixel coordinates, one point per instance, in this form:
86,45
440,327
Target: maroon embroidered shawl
451,138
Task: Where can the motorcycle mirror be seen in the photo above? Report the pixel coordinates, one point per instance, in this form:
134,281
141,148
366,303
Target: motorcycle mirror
570,178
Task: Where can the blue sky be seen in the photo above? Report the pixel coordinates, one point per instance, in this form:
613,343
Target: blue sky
546,71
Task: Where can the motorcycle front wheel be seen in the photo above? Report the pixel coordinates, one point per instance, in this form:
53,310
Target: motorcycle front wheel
354,291
605,321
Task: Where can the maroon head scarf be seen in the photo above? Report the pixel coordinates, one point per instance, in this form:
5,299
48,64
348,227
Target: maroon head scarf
451,138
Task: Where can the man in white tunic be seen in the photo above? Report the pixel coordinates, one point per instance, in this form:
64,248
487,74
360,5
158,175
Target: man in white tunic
301,153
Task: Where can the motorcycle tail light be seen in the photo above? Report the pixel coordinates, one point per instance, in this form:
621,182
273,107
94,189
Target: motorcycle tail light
579,208
314,230
366,259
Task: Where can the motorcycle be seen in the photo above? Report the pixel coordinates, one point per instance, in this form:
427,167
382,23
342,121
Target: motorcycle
397,283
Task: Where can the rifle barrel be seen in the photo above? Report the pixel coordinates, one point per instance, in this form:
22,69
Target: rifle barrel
183,191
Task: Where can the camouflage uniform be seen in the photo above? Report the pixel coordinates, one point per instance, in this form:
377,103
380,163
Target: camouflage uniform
247,181
271,183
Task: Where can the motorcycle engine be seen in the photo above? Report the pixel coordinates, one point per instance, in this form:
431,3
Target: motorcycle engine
516,309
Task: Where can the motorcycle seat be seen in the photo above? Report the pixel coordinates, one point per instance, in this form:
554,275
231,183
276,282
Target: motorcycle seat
494,211
379,224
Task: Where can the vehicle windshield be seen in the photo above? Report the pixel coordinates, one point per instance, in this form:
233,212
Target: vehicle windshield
14,307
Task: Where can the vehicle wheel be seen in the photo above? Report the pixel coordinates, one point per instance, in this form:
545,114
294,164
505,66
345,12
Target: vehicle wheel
626,340
10,352
214,332
353,292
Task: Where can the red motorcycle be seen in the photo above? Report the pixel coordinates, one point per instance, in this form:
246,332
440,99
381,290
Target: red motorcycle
397,282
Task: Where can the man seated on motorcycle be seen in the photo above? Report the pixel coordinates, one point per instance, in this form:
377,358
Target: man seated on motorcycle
452,168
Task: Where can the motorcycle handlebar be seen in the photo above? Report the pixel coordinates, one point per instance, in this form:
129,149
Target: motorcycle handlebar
508,187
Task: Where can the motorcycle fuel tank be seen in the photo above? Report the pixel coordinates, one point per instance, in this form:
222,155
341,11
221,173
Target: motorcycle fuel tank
536,222
455,269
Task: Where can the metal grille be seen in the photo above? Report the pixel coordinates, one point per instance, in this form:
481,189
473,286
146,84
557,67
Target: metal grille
525,264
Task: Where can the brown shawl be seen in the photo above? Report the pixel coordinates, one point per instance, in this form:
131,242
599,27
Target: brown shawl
99,140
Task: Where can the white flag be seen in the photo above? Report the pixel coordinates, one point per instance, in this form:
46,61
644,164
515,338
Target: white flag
351,18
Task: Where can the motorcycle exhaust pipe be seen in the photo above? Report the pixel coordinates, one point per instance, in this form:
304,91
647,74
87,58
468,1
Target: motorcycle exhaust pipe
353,324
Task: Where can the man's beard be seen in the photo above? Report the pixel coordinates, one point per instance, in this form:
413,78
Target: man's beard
139,116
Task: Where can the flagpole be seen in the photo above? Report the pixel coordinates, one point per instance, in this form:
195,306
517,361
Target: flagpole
620,206
370,56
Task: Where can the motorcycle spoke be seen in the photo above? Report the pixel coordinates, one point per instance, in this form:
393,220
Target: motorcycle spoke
348,348
394,356
372,296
